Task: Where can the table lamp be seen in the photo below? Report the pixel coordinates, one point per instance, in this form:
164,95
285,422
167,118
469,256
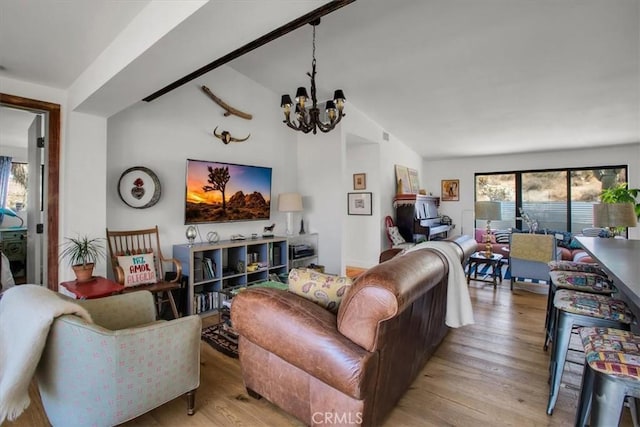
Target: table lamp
10,212
614,215
290,203
489,211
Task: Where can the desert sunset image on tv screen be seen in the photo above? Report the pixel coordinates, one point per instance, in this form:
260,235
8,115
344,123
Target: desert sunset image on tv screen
221,192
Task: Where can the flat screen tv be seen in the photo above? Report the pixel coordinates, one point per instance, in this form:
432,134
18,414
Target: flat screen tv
224,192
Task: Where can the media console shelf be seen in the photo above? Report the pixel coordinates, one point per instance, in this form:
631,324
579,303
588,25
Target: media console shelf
215,267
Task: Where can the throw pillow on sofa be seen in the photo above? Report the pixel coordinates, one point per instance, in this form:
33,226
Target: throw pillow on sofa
502,236
325,290
481,232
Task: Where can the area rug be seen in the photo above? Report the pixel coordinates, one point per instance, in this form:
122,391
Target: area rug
220,338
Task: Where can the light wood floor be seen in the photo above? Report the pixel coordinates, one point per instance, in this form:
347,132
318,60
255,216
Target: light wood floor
493,373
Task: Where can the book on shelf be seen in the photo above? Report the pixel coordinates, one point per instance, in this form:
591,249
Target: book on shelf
209,268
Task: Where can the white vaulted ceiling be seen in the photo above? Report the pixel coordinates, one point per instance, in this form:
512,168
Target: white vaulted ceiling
447,77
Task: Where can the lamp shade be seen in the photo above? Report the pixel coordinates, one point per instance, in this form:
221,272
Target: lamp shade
290,202
614,215
488,210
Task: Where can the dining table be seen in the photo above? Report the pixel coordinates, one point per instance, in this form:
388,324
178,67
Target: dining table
620,258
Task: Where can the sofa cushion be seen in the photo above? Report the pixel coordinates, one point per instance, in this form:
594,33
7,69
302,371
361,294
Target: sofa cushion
502,236
138,269
324,289
481,232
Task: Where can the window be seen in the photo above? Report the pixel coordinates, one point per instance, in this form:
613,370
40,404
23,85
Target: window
17,194
559,199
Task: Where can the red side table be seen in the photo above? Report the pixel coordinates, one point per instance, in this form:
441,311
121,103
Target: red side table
97,287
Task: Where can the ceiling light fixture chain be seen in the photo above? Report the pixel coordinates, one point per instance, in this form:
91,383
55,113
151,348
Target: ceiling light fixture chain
308,120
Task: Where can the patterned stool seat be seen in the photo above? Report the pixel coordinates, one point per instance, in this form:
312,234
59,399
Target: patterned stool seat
585,282
611,372
575,281
574,308
592,305
581,267
612,351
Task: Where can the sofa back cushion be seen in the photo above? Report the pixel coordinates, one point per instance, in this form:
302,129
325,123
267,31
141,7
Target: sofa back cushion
385,291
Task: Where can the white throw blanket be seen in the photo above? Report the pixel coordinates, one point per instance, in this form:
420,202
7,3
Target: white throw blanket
26,314
459,310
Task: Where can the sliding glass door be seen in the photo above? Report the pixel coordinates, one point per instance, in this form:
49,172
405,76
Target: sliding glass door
559,199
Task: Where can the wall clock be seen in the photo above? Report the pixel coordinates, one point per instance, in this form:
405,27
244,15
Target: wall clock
139,187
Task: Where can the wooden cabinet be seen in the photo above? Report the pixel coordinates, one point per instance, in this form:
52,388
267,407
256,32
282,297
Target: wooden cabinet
213,269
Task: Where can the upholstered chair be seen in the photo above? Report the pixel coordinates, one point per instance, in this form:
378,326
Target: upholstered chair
530,255
121,366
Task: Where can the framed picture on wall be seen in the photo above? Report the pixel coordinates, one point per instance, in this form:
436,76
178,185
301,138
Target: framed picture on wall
403,185
359,181
450,190
359,203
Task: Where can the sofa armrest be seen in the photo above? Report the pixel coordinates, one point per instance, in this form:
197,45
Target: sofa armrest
304,335
121,311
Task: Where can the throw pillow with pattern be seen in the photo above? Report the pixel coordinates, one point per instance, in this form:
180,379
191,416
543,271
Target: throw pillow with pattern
395,235
325,290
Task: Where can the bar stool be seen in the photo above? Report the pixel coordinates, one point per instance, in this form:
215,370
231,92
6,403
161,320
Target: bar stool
611,372
576,281
580,309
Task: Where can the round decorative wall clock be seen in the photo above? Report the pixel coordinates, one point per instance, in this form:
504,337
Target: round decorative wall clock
139,187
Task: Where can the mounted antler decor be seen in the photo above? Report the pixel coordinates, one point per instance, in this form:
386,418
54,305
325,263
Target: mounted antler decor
229,109
227,138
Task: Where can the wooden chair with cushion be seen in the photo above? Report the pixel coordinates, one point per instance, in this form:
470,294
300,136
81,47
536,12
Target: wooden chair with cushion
138,264
395,238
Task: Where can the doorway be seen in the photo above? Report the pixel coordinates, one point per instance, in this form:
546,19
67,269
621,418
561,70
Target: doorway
52,178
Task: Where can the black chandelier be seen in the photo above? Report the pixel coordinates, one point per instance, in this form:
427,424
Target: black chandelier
308,119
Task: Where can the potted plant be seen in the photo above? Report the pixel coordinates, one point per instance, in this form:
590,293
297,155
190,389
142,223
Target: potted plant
82,253
621,194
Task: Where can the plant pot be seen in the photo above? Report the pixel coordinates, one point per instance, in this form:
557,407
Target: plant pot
84,272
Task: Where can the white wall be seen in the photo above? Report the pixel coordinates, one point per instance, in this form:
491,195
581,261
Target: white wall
321,181
362,242
162,134
464,169
360,129
84,172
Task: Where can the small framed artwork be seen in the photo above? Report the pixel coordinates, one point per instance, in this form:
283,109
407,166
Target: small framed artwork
450,190
414,182
359,181
359,203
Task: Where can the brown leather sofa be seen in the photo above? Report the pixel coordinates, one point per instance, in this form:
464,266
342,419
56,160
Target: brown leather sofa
349,369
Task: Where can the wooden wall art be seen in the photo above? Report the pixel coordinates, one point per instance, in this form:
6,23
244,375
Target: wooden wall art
228,109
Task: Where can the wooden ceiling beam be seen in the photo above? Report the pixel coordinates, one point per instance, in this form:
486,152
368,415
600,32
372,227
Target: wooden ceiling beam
278,32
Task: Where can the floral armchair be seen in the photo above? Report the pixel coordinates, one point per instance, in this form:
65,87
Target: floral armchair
121,366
